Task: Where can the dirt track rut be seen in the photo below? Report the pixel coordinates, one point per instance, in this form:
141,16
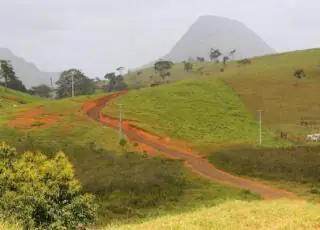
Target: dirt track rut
197,163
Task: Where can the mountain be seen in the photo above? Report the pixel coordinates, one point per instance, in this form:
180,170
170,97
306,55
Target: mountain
218,33
27,72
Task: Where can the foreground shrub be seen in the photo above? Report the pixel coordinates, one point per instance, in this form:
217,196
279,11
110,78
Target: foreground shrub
41,192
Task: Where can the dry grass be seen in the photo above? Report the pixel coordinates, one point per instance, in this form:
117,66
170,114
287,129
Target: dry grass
268,84
6,226
241,216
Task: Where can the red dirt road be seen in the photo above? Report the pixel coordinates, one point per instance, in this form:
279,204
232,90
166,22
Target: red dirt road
197,163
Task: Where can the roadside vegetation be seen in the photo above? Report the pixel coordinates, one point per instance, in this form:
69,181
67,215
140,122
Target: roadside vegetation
128,186
297,168
238,215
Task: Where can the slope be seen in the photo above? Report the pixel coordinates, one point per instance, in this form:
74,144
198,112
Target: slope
196,111
289,105
268,84
239,215
127,182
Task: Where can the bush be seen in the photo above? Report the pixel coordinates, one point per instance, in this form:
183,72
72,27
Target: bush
37,124
41,192
300,164
123,142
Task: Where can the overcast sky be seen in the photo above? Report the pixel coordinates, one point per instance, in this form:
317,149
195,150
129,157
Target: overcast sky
100,35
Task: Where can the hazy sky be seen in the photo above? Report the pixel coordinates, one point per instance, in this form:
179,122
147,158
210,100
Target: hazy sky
99,35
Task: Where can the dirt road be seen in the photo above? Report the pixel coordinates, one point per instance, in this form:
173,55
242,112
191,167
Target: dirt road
192,159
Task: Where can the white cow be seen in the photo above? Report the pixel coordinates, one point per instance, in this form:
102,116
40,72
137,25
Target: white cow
313,137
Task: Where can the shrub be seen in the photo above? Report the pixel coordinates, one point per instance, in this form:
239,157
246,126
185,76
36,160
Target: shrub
299,164
123,142
37,124
41,192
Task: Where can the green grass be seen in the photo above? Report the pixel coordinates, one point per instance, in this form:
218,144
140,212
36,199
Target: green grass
73,126
296,169
129,186
18,95
239,215
266,84
197,111
177,74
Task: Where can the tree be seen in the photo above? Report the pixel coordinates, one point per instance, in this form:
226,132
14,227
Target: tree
162,67
225,60
111,77
115,82
41,90
120,86
200,59
232,53
42,192
15,84
187,66
120,70
214,54
82,84
7,72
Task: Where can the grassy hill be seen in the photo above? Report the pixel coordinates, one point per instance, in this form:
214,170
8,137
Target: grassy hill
217,115
129,186
267,84
210,113
239,215
201,112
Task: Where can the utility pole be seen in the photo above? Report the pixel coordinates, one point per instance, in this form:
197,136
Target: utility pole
120,122
260,127
72,83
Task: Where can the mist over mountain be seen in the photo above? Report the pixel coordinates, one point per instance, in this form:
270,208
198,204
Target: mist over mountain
218,33
27,72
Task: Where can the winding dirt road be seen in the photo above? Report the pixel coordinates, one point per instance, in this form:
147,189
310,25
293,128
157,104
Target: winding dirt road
198,164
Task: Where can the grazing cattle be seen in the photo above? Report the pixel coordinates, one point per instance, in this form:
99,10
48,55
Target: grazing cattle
299,73
284,135
313,137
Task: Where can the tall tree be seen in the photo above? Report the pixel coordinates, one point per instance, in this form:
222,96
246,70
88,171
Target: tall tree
214,54
17,85
112,80
82,84
162,67
41,90
7,72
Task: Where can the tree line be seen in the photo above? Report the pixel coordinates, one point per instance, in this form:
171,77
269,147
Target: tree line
69,80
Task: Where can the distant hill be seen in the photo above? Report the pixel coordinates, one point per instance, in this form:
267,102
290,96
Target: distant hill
27,72
219,33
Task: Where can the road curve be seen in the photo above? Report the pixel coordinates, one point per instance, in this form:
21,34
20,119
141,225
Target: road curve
198,164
